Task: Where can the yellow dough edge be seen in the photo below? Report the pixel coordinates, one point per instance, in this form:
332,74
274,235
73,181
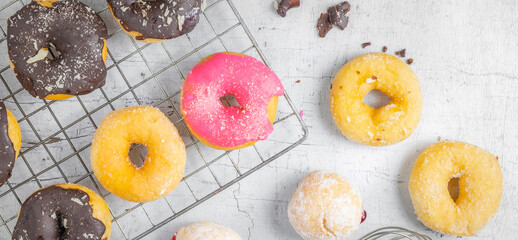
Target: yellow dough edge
14,132
165,162
361,123
134,34
46,3
480,185
271,110
58,97
100,210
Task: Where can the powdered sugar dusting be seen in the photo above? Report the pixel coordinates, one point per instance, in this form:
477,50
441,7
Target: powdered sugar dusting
325,206
206,230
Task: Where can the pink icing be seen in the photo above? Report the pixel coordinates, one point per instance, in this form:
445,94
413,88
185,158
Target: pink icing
251,82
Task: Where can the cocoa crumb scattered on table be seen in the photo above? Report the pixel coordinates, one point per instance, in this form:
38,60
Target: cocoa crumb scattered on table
409,61
401,53
323,25
384,49
366,44
298,81
283,6
336,15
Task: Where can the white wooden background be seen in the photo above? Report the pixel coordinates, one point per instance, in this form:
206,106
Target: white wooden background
465,55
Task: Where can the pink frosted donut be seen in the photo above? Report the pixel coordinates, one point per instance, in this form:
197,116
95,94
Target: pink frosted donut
255,87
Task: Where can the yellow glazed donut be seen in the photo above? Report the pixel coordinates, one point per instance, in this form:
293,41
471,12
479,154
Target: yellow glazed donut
325,206
389,124
10,142
206,231
480,187
165,162
79,210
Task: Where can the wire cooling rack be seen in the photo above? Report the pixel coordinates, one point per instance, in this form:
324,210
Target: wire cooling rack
57,135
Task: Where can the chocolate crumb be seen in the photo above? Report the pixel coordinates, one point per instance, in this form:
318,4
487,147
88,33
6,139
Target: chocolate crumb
324,26
366,44
357,72
384,49
331,87
374,77
338,14
401,53
409,61
298,81
285,5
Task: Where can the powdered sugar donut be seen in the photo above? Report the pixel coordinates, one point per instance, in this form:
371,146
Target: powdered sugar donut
479,187
206,231
325,206
255,87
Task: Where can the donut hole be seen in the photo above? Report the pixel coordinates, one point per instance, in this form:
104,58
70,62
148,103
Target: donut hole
229,100
62,222
137,154
454,188
376,99
53,52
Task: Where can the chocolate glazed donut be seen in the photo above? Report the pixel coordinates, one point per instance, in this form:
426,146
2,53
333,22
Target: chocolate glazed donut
156,20
62,212
57,48
7,151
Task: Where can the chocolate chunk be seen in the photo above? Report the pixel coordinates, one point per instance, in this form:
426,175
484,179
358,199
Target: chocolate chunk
409,61
7,151
324,26
61,214
344,7
286,5
384,49
366,44
338,15
401,53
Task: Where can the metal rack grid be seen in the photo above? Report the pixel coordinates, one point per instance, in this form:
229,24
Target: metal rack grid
57,134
